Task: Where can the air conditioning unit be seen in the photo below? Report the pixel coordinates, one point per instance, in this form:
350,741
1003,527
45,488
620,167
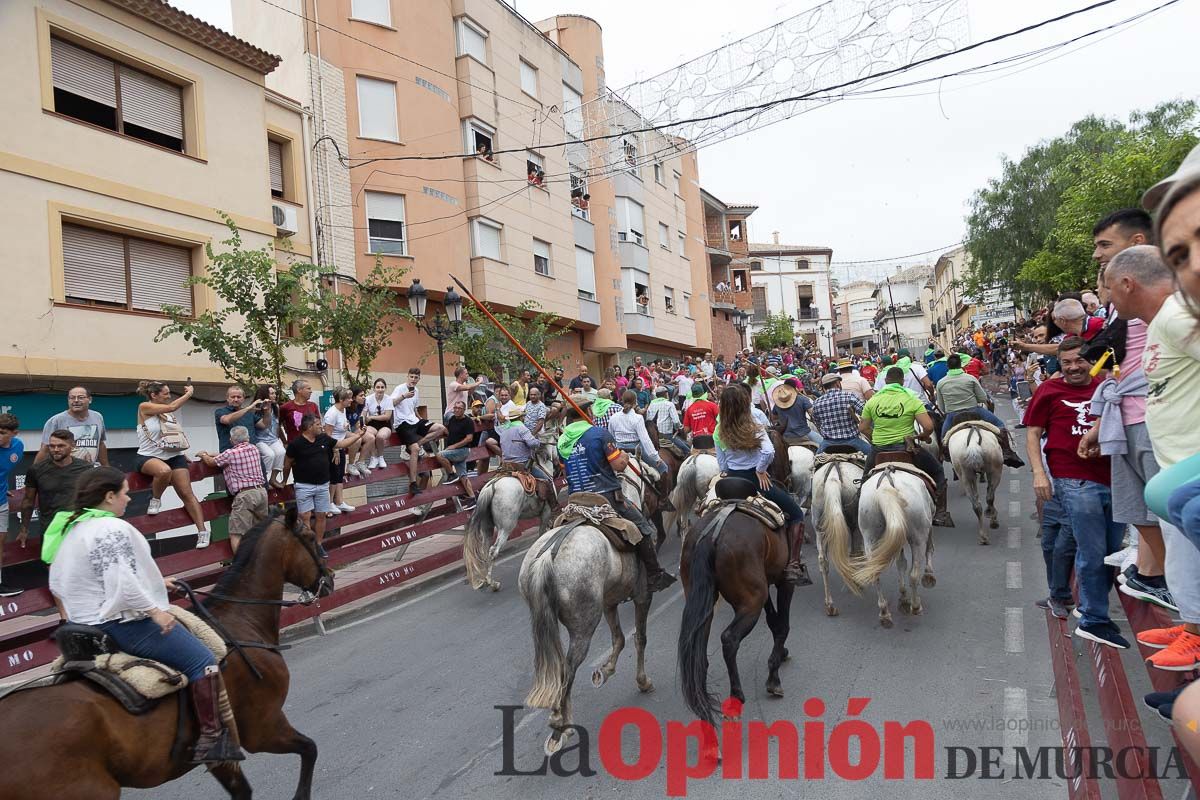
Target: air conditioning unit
284,218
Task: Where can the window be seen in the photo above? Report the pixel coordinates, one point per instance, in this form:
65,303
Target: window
664,237
572,111
802,263
541,257
585,270
486,238
472,40
758,296
579,193
481,139
103,92
687,305
629,150
669,299
740,280
735,230
535,168
678,184
631,219
756,266
275,162
385,224
658,173
377,11
529,80
377,110
636,286
115,271
683,245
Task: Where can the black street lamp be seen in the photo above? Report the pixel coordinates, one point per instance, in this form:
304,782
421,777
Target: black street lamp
444,325
740,320
828,340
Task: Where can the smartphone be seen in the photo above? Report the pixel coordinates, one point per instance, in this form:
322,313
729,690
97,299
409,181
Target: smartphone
1023,390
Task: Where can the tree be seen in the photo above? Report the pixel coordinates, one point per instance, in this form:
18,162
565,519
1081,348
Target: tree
357,320
485,349
776,331
257,307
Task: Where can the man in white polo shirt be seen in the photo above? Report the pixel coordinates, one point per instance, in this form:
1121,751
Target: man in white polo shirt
412,431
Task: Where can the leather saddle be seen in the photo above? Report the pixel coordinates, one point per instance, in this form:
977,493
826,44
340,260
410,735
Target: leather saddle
83,645
743,496
622,534
792,441
528,483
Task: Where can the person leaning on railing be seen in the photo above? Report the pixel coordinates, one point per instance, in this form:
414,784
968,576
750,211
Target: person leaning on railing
242,468
159,457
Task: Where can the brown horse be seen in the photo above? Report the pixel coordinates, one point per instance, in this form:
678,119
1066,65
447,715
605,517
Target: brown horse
75,742
740,562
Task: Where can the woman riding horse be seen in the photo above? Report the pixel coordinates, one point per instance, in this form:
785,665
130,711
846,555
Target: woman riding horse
104,575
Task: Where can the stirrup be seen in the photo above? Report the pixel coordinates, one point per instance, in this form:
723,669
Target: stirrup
220,749
797,573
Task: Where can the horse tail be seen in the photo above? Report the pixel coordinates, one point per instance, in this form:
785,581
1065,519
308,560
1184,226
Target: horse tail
693,630
477,543
892,507
542,596
835,531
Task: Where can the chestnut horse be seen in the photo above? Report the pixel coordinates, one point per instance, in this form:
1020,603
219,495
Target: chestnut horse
75,742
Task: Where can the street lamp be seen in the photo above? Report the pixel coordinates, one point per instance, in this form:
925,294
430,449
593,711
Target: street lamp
828,340
444,325
740,320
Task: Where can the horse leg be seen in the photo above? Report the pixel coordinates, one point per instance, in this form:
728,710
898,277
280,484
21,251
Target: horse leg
286,739
993,517
641,612
230,775
914,577
823,563
581,639
618,644
905,604
745,618
779,623
885,613
928,580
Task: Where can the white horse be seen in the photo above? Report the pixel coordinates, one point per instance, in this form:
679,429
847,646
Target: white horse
975,454
800,459
585,580
500,505
834,490
894,509
691,485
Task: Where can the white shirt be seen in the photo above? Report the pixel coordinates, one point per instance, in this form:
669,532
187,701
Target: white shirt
707,368
404,405
336,419
683,384
912,379
630,430
377,406
104,571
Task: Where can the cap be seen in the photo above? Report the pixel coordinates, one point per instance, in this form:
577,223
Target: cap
1190,168
661,390
831,379
698,390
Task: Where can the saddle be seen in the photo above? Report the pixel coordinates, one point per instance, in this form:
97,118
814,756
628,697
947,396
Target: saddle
589,508
792,441
744,497
511,470
703,444
839,453
892,464
971,423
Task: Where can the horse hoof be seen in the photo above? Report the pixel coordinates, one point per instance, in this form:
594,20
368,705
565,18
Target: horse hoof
995,524
917,611
904,607
928,581
646,686
598,678
983,541
775,690
885,622
831,610
786,655
495,586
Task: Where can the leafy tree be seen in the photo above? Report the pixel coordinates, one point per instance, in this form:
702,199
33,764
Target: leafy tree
248,330
777,331
485,349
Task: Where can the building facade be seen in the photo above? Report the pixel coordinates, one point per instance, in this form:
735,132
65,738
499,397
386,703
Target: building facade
900,319
857,333
794,280
727,248
951,308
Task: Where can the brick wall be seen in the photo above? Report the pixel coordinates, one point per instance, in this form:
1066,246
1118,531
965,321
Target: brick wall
726,339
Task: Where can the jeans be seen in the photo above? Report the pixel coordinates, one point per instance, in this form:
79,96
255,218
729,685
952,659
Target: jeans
857,442
811,436
1088,508
1183,507
1182,572
178,649
776,494
458,457
984,414
681,444
922,460
1058,549
272,456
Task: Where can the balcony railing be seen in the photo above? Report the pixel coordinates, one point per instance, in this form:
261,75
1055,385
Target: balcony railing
808,313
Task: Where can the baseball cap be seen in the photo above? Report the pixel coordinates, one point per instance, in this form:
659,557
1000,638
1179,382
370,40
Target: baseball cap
698,390
1190,168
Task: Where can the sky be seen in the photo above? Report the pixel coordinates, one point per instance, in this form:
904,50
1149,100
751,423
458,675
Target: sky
876,178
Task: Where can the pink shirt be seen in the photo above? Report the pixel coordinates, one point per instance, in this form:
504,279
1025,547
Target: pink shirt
1133,409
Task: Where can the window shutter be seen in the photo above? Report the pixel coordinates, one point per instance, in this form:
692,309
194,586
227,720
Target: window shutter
275,158
529,80
82,72
372,11
93,265
159,274
585,268
377,110
151,103
487,240
758,296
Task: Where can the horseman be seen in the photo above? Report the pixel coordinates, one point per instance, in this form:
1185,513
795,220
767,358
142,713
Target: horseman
888,419
959,392
517,446
628,428
592,463
665,418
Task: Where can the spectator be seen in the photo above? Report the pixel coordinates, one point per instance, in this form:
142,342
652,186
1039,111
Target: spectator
662,414
85,425
356,413
412,431
161,448
266,434
378,417
625,381
584,392
577,381
50,484
1059,409
535,411
459,388
519,391
291,415
642,392
241,465
460,432
234,415
550,395
337,427
311,455
12,450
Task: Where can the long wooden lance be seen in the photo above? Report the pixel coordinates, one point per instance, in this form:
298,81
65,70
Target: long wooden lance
549,378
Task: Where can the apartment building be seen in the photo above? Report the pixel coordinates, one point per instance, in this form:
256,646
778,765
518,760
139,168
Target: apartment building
727,247
902,305
857,322
440,128
130,127
794,280
951,309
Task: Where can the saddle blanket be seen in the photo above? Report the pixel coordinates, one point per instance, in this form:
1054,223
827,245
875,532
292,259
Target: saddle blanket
756,506
594,509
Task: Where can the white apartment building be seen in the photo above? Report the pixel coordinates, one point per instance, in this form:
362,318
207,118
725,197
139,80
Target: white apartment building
794,280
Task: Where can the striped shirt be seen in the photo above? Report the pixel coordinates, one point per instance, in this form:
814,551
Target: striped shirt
242,466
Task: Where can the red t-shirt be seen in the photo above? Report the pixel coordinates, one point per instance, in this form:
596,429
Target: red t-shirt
1062,411
974,367
291,413
869,372
701,418
1091,327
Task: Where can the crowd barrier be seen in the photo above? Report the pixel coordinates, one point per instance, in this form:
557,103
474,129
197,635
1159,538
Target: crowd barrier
33,646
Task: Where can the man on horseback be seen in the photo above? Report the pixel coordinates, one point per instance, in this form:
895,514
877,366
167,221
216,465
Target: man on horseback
958,392
888,419
592,463
628,428
837,413
517,446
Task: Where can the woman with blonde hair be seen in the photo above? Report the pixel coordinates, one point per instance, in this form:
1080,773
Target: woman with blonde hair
162,448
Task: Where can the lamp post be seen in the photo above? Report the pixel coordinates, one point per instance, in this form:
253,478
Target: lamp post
828,340
443,326
740,319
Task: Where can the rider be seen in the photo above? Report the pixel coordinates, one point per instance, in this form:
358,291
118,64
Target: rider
628,428
103,574
593,461
958,392
517,446
837,413
888,419
744,450
665,416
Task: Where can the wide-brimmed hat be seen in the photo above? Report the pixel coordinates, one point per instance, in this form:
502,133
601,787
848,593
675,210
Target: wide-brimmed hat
1190,168
783,395
845,363
831,379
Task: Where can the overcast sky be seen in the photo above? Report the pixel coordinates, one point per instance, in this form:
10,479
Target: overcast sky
878,178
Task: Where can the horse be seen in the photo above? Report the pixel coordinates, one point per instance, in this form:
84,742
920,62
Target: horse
499,506
800,472
895,508
585,580
739,562
691,484
72,741
834,495
975,454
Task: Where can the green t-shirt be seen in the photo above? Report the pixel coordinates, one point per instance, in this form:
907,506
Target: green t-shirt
892,411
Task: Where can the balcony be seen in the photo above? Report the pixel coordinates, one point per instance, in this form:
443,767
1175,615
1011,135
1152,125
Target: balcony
722,299
808,313
638,323
899,310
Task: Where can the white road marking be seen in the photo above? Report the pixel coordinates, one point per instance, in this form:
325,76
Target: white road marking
1014,631
1014,508
1012,577
1014,538
1014,487
1016,716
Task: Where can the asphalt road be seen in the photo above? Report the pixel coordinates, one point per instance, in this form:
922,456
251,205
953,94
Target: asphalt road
402,703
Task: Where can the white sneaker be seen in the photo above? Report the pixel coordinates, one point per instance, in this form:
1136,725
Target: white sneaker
364,469
202,540
346,508
380,463
352,469
333,511
1122,558
154,507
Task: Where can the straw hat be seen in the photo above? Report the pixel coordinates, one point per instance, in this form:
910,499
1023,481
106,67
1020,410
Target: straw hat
783,395
831,379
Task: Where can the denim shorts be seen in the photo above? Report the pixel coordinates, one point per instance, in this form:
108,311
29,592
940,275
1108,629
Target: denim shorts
312,497
3,518
456,454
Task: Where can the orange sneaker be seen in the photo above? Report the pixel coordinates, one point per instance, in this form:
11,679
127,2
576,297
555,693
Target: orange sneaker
1182,655
1158,638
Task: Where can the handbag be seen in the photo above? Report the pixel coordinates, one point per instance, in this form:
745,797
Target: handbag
172,436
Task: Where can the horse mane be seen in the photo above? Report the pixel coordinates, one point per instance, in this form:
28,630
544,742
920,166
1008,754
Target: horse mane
244,556
781,466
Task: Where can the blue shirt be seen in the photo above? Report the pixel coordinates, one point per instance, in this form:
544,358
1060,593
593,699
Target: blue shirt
937,370
246,421
10,457
588,468
758,460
